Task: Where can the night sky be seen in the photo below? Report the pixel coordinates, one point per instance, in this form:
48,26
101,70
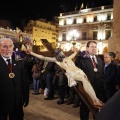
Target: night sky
25,10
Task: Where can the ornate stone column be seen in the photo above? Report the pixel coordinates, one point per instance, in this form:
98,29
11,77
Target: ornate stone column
114,41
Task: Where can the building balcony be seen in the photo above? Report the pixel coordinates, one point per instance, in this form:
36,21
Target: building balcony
89,10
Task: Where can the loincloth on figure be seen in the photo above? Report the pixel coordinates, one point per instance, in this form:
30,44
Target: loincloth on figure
71,75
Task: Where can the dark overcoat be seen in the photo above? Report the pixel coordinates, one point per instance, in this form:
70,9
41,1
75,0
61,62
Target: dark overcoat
95,78
13,91
110,73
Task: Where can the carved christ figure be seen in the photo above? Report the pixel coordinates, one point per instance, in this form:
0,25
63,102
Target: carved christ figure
73,73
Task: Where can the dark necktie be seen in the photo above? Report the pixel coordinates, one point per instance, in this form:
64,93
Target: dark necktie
94,63
9,64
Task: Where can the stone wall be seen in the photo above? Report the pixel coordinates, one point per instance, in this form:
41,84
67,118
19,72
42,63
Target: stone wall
114,41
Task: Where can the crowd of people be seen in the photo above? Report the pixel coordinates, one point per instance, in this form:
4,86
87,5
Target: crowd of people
51,81
56,74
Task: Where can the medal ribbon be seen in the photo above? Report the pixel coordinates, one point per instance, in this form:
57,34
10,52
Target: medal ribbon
9,65
94,63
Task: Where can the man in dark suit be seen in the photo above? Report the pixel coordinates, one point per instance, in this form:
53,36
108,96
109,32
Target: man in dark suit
110,71
14,85
93,67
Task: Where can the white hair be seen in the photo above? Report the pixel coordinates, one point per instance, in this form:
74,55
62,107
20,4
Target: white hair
4,39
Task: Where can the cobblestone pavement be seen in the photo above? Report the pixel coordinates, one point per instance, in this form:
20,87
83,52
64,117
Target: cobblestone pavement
40,109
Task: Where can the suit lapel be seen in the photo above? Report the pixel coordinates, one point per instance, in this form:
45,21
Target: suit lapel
4,65
89,63
14,65
98,62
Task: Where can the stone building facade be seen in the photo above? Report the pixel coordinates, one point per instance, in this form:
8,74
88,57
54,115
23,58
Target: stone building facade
16,35
42,29
78,27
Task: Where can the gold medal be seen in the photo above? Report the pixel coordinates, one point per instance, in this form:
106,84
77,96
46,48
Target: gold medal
11,75
95,69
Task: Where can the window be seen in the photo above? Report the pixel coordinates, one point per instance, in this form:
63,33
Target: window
74,22
95,35
53,33
84,20
64,37
95,18
108,16
65,22
107,34
53,37
84,35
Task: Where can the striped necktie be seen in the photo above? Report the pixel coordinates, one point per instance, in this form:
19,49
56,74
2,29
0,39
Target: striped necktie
94,63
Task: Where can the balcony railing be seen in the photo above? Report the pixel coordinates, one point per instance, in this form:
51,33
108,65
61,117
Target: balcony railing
91,9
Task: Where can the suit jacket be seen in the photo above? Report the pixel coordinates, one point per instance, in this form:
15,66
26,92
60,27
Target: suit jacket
110,76
95,78
13,91
50,67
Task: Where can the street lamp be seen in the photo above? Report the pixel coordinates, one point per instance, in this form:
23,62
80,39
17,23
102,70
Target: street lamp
74,35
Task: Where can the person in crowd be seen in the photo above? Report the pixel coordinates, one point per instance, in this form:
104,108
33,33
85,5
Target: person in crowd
113,55
117,62
28,64
14,83
93,67
73,73
110,71
36,77
49,71
43,76
112,106
74,98
61,80
40,68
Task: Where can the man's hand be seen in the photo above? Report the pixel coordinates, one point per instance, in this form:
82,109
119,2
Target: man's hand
74,49
27,48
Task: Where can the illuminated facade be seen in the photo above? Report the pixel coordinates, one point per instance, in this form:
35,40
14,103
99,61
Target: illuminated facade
40,29
78,27
16,35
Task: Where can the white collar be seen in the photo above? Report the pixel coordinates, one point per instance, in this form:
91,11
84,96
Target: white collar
6,58
92,56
